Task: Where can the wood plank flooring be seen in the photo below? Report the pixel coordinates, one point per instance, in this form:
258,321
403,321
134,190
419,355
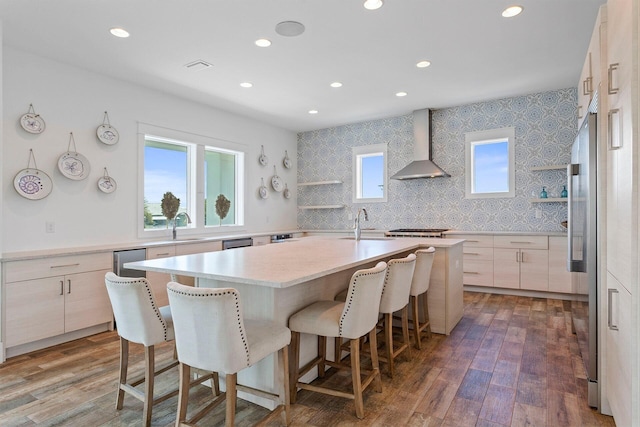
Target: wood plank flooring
511,361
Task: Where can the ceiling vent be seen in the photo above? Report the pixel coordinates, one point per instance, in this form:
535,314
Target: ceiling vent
198,65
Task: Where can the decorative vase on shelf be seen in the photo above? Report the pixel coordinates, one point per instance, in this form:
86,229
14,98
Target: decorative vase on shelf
543,193
564,193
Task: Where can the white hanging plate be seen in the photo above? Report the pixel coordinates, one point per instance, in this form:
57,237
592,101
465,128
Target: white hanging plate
107,134
106,184
263,159
74,166
33,184
287,161
286,193
32,123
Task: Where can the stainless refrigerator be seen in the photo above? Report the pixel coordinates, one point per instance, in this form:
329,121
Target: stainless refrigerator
582,254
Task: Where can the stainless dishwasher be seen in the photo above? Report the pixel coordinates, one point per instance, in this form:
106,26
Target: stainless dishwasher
131,255
237,243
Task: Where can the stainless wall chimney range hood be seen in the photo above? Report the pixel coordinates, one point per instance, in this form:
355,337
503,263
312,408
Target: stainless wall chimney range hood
422,166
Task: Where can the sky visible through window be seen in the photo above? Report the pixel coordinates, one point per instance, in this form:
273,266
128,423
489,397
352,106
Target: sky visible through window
372,176
165,170
491,171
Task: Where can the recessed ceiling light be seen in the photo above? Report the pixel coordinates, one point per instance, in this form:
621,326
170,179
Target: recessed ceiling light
263,43
512,11
372,4
119,32
246,84
423,64
401,94
313,111
336,84
289,28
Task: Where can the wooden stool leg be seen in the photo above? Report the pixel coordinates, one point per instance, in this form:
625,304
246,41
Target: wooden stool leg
355,376
405,330
375,363
294,365
388,334
284,356
149,376
322,353
337,351
215,384
183,394
231,381
415,316
425,308
124,365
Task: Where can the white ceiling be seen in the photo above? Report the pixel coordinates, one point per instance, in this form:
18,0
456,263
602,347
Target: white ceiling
476,54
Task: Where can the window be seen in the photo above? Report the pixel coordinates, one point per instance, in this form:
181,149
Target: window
370,173
490,163
197,170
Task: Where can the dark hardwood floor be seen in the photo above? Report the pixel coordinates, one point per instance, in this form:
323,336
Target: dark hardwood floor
511,361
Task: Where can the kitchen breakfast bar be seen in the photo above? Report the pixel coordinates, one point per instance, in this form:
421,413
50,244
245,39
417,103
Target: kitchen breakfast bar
277,280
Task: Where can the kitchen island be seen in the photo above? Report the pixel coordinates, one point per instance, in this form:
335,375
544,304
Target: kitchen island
275,281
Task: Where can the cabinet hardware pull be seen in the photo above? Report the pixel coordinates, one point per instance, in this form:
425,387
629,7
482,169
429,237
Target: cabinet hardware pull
614,130
470,253
579,111
524,243
470,272
472,241
65,265
610,308
164,254
586,86
69,288
612,90
61,287
517,257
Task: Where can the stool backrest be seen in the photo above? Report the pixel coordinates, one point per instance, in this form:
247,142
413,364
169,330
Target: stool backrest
209,329
397,284
360,313
422,274
137,316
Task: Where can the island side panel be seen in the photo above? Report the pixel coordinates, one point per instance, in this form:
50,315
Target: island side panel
445,290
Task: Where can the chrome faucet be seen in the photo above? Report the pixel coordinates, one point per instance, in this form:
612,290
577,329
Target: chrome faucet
175,222
356,225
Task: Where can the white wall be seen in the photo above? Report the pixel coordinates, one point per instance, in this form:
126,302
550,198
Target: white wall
74,100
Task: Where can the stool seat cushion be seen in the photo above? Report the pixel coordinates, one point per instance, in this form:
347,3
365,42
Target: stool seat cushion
320,318
264,338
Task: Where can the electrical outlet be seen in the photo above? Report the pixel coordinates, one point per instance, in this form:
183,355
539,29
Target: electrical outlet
50,227
538,213
350,216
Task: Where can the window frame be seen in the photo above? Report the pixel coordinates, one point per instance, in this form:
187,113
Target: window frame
473,139
366,151
197,144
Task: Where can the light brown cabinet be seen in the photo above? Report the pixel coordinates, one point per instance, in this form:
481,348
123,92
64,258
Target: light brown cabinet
477,259
521,262
49,297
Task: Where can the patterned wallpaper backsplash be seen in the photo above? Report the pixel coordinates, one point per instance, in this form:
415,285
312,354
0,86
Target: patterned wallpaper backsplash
545,127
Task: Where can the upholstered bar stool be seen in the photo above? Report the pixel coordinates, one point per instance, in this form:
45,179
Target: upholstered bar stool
352,319
419,287
211,334
395,298
140,321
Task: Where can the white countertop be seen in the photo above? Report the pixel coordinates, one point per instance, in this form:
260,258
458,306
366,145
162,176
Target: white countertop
287,264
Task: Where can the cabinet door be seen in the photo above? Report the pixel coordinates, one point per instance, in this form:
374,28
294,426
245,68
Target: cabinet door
506,268
534,269
86,300
559,277
619,351
158,281
34,310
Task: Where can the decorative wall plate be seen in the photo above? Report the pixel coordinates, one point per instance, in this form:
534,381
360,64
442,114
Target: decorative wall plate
72,164
286,193
287,161
32,122
106,184
263,159
276,181
32,183
107,134
262,191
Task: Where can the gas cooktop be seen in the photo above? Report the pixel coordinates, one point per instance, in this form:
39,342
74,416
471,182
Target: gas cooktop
416,232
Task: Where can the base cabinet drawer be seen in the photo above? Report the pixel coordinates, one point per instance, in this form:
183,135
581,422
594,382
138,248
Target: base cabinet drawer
477,272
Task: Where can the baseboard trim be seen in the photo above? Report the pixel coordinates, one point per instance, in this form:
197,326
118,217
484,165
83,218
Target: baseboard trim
526,293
